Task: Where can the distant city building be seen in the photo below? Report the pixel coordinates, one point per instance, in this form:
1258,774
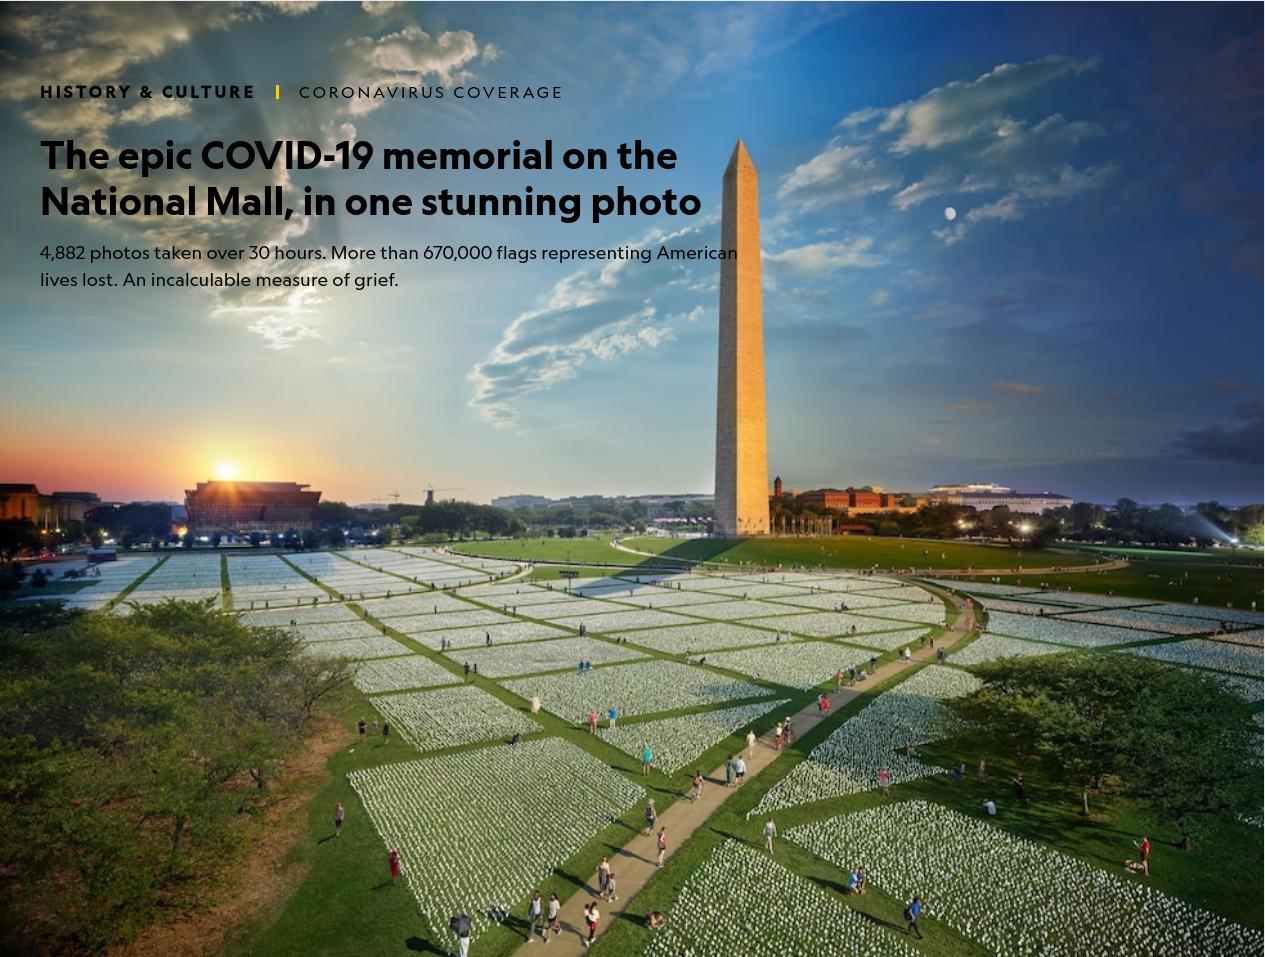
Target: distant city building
19,500
869,498
24,500
72,506
514,502
236,507
984,496
777,486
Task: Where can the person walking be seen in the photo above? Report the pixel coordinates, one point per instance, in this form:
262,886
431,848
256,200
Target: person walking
535,704
611,714
339,814
610,887
554,922
393,862
603,875
982,770
697,791
913,913
651,817
460,925
593,721
740,769
361,726
386,732
1021,789
860,880
751,743
535,909
777,737
646,757
591,917
661,843
885,781
770,832
730,771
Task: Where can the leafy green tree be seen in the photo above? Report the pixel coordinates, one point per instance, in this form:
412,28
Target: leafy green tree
1173,739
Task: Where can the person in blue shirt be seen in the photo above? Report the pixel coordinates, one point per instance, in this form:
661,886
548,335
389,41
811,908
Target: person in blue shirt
611,715
912,914
646,757
853,882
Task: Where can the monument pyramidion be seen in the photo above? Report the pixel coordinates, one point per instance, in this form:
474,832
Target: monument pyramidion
742,447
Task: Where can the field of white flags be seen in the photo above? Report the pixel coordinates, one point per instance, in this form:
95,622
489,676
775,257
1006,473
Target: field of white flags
1142,620
639,688
1016,897
523,658
826,624
478,829
992,647
186,578
798,664
740,903
447,717
337,630
1221,655
717,610
610,622
425,603
349,578
262,581
676,742
417,624
701,636
1255,637
301,615
848,761
477,635
1061,631
398,674
355,649
104,583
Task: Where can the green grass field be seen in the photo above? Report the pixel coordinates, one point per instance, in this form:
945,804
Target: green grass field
1214,577
848,551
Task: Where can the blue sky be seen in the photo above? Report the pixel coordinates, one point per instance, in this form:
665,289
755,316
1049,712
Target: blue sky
1089,323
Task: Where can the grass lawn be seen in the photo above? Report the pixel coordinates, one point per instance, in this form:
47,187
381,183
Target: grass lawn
591,549
856,551
1215,578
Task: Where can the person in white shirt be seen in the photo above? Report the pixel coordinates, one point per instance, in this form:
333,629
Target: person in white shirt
750,743
990,808
770,832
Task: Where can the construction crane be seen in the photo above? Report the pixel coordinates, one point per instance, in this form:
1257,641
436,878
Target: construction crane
395,496
431,490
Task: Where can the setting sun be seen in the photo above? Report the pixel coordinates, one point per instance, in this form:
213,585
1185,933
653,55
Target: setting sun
225,471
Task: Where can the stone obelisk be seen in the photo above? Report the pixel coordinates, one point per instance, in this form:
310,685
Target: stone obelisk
742,454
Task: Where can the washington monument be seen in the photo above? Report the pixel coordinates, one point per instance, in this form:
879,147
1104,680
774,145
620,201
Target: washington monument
742,447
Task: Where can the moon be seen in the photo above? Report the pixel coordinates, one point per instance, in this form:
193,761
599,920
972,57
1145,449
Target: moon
950,213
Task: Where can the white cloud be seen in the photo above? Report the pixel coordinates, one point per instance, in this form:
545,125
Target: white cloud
409,56
962,109
839,172
880,298
592,315
1030,193
827,257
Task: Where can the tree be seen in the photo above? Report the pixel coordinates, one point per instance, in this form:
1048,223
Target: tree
130,747
17,535
1173,739
1065,708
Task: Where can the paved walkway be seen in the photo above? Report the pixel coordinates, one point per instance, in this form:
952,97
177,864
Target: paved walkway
634,864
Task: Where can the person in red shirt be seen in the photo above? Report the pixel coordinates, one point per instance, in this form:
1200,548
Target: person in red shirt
1144,855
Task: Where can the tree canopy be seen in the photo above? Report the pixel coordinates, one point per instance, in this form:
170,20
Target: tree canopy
134,748
1169,737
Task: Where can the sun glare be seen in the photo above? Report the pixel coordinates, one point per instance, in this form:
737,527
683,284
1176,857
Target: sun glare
225,471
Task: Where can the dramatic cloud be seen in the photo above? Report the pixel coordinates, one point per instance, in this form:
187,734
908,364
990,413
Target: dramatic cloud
837,173
597,314
1241,443
827,257
963,109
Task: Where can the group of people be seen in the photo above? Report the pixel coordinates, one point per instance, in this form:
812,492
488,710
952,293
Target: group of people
363,727
592,718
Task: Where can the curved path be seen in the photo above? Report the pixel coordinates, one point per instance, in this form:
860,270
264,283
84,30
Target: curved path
634,863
